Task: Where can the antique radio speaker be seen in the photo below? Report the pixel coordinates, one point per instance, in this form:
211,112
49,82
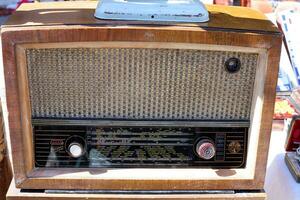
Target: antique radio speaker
130,105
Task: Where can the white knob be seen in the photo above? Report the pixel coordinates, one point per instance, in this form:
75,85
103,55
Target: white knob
75,150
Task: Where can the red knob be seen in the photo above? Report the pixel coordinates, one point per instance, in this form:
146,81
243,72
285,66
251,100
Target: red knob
205,149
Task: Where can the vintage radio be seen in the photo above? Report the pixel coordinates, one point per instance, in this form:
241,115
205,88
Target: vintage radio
126,105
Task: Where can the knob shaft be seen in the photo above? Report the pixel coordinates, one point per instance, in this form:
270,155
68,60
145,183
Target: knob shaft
205,149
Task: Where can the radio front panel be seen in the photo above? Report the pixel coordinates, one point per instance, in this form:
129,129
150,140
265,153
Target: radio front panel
88,146
140,85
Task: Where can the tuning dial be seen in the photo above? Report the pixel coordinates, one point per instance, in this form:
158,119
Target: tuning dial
205,149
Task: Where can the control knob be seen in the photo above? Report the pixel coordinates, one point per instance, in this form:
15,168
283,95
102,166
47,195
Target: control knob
75,146
75,150
205,149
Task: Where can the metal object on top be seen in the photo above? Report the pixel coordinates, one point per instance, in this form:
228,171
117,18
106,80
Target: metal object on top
297,155
153,10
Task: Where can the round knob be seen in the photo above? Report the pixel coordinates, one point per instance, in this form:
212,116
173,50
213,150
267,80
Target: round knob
233,65
75,150
205,149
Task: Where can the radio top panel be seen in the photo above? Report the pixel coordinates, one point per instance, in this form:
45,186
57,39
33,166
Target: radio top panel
231,18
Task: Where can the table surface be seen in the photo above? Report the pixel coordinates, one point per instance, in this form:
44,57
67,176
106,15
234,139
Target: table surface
279,183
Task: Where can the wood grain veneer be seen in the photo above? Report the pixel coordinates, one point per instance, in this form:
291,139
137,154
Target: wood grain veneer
5,167
81,13
16,194
235,29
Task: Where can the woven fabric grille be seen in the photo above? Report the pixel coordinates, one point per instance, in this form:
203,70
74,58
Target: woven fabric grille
126,83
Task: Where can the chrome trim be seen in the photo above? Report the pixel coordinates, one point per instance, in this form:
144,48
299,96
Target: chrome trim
140,191
128,123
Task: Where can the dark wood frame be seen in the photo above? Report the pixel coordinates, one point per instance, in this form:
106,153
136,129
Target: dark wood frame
5,167
16,194
14,39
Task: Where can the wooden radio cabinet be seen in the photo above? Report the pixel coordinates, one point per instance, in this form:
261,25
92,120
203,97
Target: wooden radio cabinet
62,63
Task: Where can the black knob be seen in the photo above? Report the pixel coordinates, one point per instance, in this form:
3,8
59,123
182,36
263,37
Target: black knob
233,65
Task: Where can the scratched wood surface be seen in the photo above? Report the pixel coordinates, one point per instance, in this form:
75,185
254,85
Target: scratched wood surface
81,13
16,194
5,168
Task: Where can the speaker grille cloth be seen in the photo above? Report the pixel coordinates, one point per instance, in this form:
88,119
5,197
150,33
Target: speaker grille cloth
132,83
